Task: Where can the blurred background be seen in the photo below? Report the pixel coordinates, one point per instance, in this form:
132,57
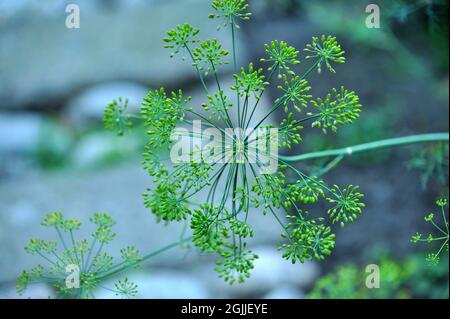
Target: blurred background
56,156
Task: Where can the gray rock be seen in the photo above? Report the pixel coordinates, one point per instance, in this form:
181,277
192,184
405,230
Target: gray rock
270,272
162,285
41,60
13,166
88,107
97,147
20,132
13,10
285,292
35,291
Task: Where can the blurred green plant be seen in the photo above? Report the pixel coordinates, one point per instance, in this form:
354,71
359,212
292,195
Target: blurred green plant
432,161
396,10
77,267
402,10
440,228
347,17
398,280
60,148
53,146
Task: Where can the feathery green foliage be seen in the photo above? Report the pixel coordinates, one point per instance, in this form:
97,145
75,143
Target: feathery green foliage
406,279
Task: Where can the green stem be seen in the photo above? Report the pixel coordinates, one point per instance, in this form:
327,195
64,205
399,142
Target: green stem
48,259
438,228
401,141
233,37
442,247
280,100
144,258
89,266
445,219
274,68
85,262
74,248
207,120
329,167
202,80
308,72
221,96
434,239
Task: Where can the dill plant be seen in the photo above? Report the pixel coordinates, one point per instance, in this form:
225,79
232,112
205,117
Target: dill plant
89,257
440,225
85,256
219,224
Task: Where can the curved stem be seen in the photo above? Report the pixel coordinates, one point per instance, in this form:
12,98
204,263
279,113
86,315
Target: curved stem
394,142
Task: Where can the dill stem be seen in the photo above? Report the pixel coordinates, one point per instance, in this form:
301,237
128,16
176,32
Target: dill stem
122,267
382,144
